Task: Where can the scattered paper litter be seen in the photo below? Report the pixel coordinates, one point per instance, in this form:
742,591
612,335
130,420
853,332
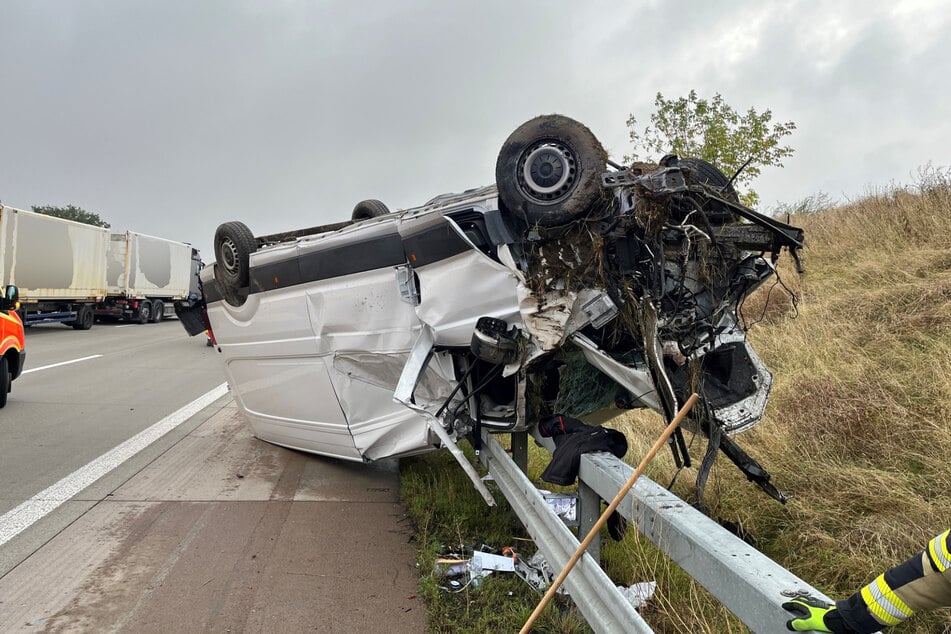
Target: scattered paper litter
489,562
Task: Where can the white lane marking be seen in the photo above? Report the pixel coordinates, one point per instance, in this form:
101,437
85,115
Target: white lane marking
56,365
124,326
43,503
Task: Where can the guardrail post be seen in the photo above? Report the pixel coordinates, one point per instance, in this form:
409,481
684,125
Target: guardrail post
519,442
589,511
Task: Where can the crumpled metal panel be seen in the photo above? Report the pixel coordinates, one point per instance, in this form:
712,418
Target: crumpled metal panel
552,318
380,425
456,291
269,390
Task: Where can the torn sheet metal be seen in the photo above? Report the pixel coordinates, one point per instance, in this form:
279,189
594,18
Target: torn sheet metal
553,317
456,291
738,410
412,374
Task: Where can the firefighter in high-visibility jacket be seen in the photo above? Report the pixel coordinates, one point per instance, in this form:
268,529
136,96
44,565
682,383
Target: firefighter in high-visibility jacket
920,583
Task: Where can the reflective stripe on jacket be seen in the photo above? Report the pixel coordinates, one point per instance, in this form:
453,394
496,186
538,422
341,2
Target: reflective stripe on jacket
920,583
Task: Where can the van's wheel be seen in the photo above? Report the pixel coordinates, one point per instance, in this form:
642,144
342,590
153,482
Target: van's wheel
158,311
231,295
700,172
6,379
145,311
234,244
84,318
366,209
549,170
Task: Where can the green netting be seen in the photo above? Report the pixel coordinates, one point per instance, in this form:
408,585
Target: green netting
582,388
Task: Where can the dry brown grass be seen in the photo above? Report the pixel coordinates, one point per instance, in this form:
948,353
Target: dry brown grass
858,429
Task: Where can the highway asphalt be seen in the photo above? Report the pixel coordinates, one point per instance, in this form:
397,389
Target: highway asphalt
59,418
133,498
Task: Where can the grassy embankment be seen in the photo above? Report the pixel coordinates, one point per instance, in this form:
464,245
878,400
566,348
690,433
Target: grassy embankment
858,432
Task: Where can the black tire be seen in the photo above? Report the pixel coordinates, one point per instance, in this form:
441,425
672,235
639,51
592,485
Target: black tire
549,170
85,317
698,171
145,311
234,244
366,209
6,379
233,296
158,310
701,171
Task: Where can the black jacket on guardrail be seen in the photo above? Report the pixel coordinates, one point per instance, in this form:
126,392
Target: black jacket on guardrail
573,438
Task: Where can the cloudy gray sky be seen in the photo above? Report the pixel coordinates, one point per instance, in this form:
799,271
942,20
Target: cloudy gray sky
170,117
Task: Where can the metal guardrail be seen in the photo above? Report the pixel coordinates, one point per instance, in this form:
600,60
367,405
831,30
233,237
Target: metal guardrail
750,584
747,582
599,600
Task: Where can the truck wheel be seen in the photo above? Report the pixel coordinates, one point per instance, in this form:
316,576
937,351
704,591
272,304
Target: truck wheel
158,311
84,318
145,311
6,379
549,170
366,209
234,243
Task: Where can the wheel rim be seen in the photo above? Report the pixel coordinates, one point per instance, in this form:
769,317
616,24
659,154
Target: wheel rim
229,255
547,172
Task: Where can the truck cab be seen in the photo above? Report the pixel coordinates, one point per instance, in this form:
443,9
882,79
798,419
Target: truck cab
12,346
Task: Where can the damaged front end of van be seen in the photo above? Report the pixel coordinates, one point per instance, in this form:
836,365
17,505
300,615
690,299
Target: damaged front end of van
568,287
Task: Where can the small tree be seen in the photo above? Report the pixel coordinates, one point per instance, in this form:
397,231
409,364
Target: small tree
713,131
71,212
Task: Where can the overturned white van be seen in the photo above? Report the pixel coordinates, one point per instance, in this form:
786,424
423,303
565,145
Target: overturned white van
567,287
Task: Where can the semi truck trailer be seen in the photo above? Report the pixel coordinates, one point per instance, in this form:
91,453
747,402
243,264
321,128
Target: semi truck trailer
146,276
73,273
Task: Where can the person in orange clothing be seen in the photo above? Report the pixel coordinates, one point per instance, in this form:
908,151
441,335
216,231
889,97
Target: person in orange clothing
922,582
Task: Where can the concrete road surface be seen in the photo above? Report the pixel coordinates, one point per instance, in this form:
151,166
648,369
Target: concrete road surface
114,382
83,393
204,529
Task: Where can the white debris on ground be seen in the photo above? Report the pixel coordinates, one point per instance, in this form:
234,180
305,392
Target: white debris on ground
535,571
640,593
565,506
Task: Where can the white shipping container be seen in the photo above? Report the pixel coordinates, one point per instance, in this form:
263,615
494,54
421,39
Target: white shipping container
49,258
146,266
